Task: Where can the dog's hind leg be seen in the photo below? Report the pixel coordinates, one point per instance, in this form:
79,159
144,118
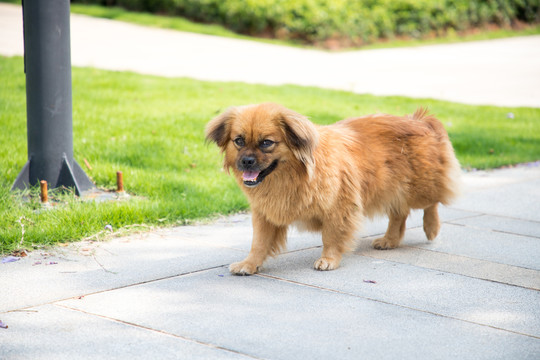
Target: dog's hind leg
432,223
394,233
268,239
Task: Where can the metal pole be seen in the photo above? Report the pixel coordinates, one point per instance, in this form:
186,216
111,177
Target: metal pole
47,57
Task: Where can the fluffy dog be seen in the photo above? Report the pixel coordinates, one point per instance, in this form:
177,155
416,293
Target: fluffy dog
328,178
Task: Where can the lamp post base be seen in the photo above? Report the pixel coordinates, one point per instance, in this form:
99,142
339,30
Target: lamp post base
70,176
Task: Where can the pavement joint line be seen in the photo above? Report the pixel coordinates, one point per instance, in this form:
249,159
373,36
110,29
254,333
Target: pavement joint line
163,332
492,230
27,308
364,237
478,214
298,250
513,233
446,270
471,216
466,257
297,283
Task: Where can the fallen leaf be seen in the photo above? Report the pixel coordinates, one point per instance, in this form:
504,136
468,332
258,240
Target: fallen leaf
20,253
370,281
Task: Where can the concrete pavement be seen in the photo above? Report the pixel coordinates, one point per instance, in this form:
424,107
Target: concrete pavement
473,293
498,72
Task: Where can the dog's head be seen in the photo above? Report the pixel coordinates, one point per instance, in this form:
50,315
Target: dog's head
261,139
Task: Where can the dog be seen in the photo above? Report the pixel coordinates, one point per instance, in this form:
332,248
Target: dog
329,178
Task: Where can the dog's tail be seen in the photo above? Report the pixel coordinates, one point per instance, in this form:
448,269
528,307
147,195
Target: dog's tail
453,186
423,114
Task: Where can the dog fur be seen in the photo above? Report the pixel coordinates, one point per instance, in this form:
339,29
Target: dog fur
328,178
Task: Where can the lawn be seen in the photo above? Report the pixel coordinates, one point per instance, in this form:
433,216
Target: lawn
152,129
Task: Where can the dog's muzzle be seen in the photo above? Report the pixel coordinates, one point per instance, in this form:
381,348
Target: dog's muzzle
251,175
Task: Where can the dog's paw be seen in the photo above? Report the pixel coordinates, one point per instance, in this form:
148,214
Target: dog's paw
243,268
384,244
431,230
325,263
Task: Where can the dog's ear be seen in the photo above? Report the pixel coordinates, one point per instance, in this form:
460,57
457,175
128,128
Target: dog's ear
301,136
219,128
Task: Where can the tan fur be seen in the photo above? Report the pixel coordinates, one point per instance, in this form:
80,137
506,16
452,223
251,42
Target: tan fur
329,178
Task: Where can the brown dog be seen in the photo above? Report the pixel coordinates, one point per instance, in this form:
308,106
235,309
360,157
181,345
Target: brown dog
327,178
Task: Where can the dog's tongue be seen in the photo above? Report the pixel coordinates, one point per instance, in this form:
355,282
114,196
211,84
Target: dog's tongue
250,175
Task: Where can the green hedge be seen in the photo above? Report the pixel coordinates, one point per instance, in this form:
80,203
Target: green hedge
353,21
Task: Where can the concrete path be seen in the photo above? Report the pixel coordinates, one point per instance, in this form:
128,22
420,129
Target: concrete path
498,72
473,293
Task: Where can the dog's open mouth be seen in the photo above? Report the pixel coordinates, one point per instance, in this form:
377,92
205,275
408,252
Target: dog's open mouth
254,178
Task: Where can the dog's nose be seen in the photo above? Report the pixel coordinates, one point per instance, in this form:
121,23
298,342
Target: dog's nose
248,162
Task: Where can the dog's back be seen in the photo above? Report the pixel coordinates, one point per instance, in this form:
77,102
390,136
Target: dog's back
403,162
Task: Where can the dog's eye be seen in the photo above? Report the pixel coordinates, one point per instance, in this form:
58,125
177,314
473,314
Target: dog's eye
239,141
266,144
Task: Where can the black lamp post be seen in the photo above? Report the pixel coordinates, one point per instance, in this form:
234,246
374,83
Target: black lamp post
47,59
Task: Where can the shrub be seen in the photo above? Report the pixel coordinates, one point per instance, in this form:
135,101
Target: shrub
353,21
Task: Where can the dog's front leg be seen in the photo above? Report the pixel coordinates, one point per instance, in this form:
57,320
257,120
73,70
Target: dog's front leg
331,254
337,237
268,239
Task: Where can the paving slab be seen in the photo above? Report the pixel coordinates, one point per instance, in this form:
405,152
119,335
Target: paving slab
486,179
502,224
489,245
507,193
420,287
62,333
88,267
459,264
269,318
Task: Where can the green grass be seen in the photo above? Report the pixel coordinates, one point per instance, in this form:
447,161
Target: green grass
152,129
